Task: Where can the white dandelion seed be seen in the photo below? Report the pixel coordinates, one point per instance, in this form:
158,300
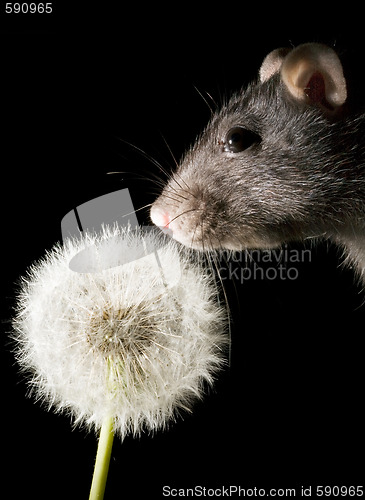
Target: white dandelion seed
119,343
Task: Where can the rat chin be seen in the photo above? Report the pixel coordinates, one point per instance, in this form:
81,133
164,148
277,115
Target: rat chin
205,240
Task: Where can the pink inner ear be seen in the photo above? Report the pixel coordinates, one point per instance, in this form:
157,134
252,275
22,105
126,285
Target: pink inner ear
315,90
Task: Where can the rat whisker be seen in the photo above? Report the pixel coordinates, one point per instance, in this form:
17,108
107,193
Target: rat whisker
176,173
178,195
170,150
183,213
205,100
148,157
188,190
213,256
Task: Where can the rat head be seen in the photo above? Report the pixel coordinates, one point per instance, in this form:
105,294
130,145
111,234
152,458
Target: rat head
269,166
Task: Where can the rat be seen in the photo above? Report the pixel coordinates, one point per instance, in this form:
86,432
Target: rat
282,161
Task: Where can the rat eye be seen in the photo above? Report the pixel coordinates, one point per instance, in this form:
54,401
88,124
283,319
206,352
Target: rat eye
238,139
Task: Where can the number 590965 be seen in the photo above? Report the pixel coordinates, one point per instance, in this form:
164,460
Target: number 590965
25,8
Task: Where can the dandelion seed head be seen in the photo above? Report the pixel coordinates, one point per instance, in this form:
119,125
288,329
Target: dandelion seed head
120,341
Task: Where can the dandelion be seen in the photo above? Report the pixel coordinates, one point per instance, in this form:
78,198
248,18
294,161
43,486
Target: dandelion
126,348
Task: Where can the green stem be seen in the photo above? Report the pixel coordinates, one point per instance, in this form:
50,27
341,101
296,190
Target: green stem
102,460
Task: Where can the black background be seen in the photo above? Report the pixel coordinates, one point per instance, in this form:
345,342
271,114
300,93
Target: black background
75,89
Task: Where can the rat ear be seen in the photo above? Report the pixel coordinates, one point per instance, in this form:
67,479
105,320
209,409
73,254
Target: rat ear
313,73
272,63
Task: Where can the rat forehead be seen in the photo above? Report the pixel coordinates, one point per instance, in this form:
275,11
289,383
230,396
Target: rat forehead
250,107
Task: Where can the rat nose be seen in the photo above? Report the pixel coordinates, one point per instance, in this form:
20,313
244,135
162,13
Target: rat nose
160,217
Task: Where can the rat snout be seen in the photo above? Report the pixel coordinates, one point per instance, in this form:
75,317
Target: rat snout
160,217
182,217
188,211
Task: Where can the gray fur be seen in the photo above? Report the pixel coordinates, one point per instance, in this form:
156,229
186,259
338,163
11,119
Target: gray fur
305,179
